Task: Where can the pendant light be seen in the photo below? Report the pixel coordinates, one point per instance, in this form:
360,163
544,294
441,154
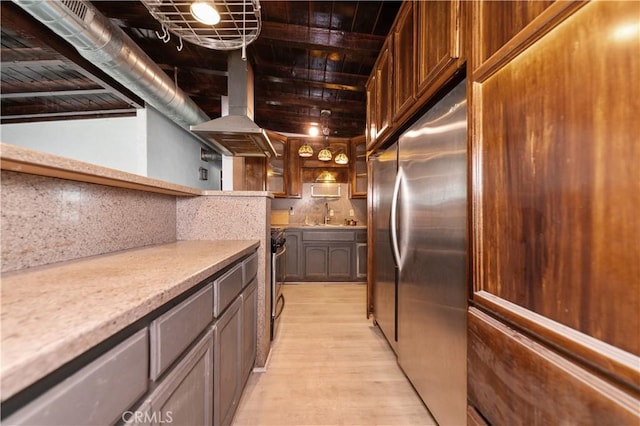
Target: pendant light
342,158
305,151
325,153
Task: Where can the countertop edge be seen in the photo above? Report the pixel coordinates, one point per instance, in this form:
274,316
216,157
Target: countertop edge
24,160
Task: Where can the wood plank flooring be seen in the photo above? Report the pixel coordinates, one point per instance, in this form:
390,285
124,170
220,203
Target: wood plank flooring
329,366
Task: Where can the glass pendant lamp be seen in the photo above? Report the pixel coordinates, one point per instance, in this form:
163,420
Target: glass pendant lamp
324,155
305,150
342,158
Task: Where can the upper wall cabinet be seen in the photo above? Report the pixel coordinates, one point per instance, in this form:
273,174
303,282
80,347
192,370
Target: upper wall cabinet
358,169
281,173
421,53
439,38
512,18
277,178
383,87
405,58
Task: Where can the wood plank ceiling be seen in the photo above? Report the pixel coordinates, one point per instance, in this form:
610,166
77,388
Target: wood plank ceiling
310,56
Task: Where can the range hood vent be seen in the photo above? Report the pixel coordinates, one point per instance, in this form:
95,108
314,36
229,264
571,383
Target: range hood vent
237,132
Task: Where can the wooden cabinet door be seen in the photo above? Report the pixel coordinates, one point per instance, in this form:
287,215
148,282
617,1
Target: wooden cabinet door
372,100
341,263
294,169
277,179
438,42
404,59
294,256
358,168
554,201
316,262
384,89
228,363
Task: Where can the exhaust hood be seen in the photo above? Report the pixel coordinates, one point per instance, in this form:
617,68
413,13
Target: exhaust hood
236,132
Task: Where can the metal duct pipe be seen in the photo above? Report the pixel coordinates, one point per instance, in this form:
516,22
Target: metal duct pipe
108,47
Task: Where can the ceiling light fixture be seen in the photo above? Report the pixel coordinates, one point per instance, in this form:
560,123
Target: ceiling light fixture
342,158
305,150
205,12
324,155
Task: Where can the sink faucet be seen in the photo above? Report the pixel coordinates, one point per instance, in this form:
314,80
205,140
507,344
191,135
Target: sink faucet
327,218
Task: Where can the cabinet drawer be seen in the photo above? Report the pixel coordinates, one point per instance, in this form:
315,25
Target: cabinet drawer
250,268
173,331
226,288
97,394
328,236
361,236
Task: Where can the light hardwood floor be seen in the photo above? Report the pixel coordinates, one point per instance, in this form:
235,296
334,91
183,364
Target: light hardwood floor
329,366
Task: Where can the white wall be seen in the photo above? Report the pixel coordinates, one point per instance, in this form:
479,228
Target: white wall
148,144
174,154
117,143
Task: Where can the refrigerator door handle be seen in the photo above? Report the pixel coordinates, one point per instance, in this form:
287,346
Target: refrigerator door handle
394,218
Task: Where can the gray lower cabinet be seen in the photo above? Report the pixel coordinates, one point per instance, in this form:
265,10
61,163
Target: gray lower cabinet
249,328
316,260
188,367
97,394
184,396
174,331
341,265
327,254
227,384
328,262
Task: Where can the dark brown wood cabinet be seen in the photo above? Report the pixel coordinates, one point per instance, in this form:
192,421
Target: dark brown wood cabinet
358,181
423,51
383,70
283,170
285,173
370,131
554,330
439,43
404,77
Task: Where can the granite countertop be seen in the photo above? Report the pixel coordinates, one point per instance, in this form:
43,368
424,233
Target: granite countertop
53,313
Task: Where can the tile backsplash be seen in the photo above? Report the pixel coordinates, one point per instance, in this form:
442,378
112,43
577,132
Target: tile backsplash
311,210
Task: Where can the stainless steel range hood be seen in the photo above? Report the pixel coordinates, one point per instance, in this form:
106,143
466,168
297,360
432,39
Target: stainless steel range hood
237,132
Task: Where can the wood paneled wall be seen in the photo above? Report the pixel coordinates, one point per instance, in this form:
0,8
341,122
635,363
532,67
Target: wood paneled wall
555,185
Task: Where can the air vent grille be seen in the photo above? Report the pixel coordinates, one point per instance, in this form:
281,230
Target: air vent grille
78,8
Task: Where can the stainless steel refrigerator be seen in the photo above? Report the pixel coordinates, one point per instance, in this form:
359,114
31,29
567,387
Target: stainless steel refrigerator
426,239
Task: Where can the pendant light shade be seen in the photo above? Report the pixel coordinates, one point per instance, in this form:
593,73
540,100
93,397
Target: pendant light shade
342,158
205,12
324,155
326,177
305,150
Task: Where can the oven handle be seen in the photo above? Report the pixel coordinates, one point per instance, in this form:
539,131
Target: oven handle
281,252
277,315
